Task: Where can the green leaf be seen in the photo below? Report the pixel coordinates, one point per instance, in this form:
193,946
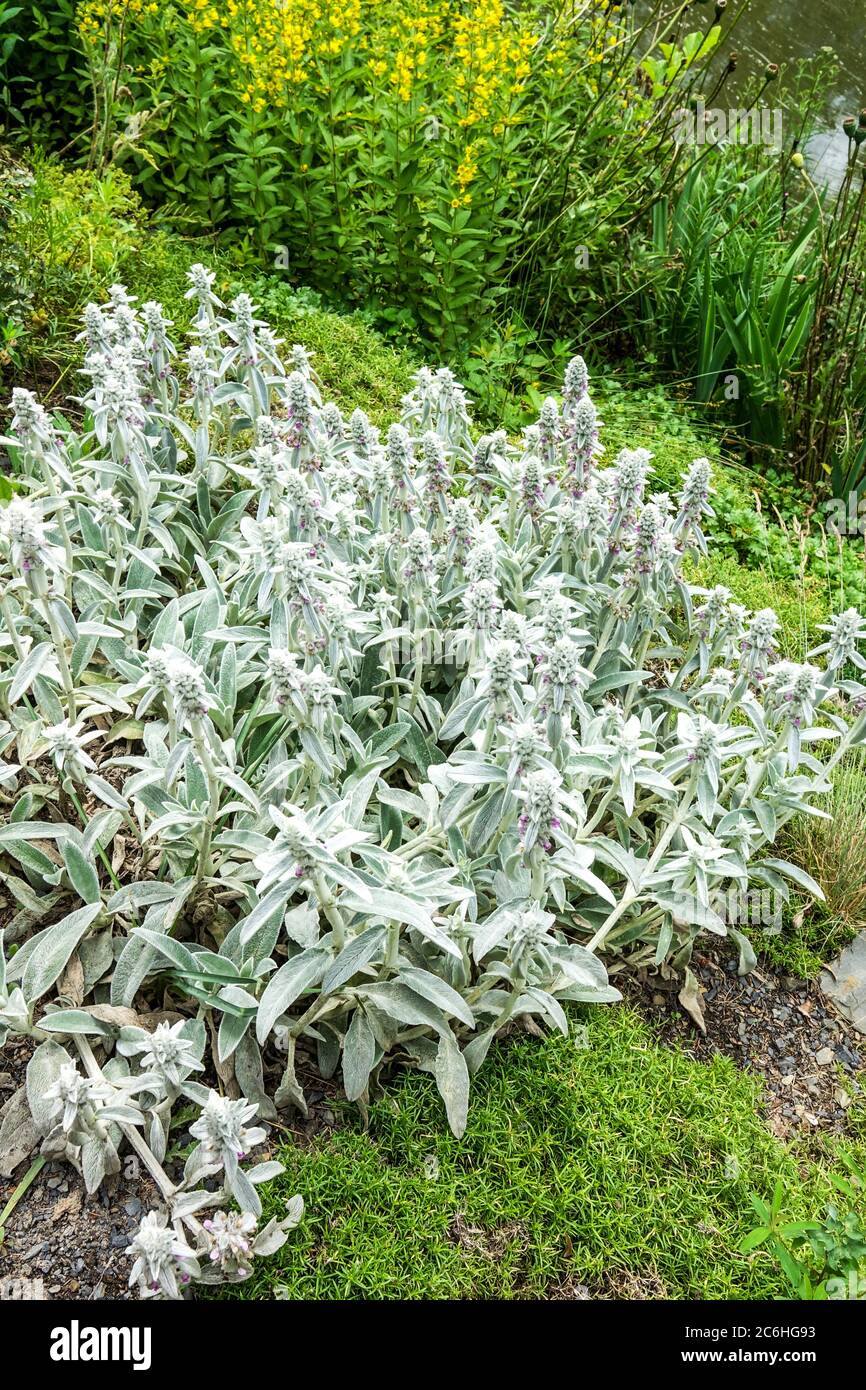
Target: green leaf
76,1021
28,670
419,750
405,1006
34,830
439,992
47,955
179,955
393,906
359,1052
231,1030
361,949
748,960
43,1070
141,894
616,682
753,1239
82,874
452,1079
287,985
798,875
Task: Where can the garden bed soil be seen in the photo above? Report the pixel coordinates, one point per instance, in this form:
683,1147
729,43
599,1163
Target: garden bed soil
63,1243
785,1030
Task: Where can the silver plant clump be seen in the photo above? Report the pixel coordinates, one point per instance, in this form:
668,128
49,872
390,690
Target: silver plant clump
366,743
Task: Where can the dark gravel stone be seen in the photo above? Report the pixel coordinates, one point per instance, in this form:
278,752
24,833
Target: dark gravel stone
769,1024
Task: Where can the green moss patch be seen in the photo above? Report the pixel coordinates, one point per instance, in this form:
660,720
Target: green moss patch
619,1159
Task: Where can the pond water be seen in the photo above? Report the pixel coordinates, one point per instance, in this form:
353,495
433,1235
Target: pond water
785,31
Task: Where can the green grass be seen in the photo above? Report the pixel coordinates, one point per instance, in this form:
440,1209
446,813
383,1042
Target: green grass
833,851
799,950
799,605
357,366
625,1158
637,416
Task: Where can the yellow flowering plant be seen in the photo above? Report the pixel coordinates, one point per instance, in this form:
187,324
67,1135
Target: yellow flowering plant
449,157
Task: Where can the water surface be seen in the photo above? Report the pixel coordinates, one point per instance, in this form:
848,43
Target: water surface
786,31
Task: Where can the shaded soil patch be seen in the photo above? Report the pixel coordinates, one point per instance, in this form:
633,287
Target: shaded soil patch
75,1242
71,1242
783,1029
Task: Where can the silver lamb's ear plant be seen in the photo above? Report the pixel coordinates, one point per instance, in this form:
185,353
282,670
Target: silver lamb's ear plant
163,1261
355,749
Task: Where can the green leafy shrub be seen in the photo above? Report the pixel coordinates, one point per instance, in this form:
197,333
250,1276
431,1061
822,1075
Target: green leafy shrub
65,235
374,146
821,1259
15,180
832,852
764,308
45,71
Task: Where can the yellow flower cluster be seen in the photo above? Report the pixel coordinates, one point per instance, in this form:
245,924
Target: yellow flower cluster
415,34
492,56
467,169
202,16
467,172
271,43
279,43
471,55
459,65
96,18
464,63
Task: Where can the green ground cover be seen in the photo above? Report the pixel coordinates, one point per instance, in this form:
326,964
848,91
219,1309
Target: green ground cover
619,1164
